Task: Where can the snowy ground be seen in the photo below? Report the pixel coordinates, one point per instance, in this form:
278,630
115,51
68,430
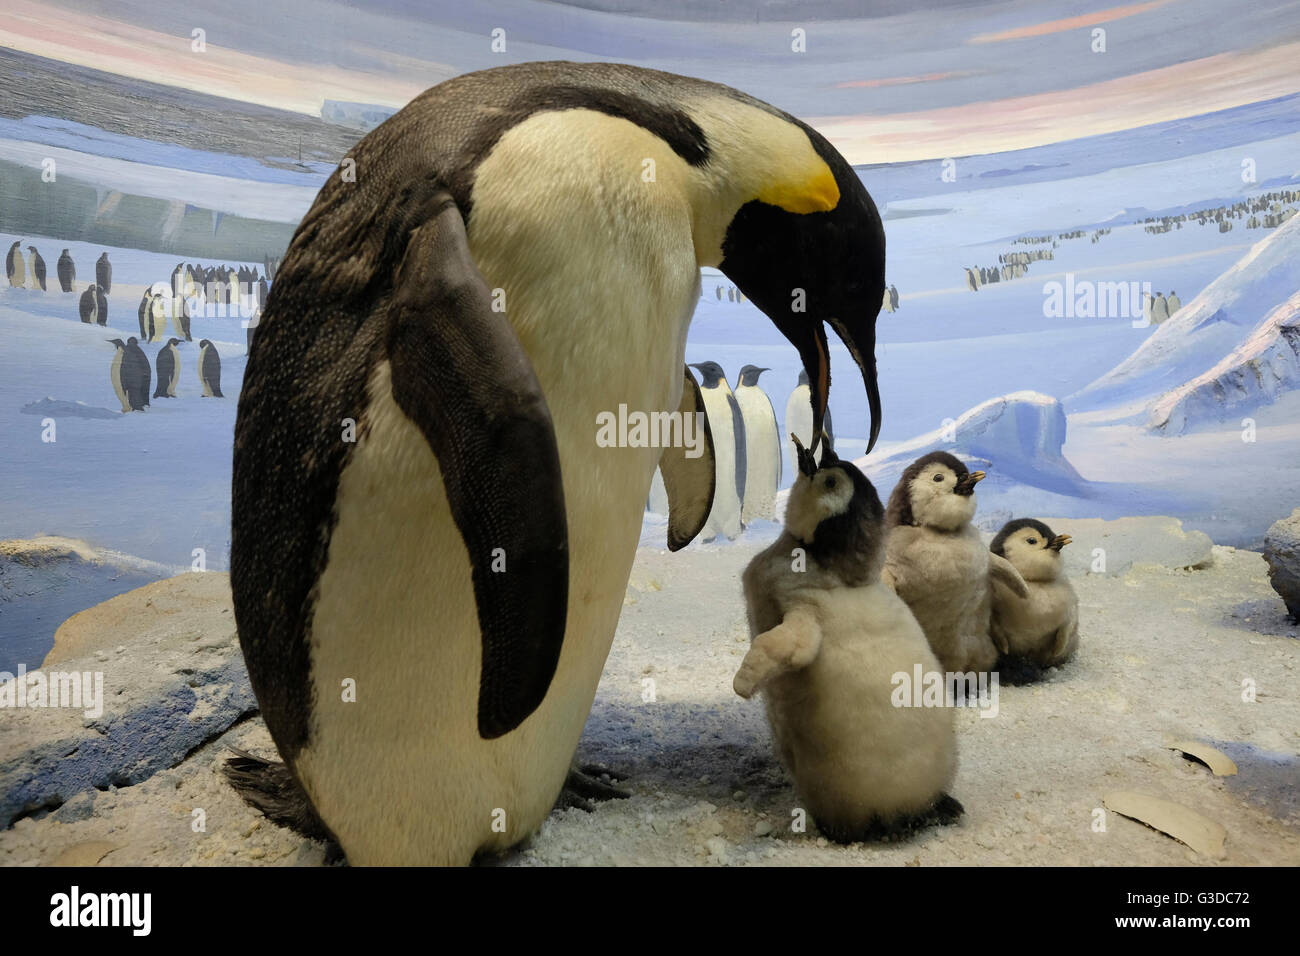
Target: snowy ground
1163,656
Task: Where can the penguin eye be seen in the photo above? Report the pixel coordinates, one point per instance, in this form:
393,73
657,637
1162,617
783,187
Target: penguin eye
1031,541
830,481
938,477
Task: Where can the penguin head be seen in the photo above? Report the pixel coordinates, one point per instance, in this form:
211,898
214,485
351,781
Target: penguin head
174,342
204,343
1032,548
749,375
935,491
711,373
835,513
31,249
809,250
117,342
133,341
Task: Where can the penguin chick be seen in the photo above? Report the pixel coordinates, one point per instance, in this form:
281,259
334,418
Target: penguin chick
1042,629
936,561
827,638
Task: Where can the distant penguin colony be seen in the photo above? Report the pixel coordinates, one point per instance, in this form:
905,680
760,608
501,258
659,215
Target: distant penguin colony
209,370
15,267
67,271
168,366
762,446
936,561
827,641
729,452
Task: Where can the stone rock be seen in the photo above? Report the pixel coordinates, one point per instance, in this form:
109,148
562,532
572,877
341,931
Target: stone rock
179,682
1155,539
1282,552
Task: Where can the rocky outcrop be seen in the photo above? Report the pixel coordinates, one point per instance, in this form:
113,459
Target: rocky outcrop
171,677
1282,552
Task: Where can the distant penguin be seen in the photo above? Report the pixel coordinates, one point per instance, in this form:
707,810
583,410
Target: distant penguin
728,429
38,269
971,283
798,418
146,305
104,273
89,305
210,370
762,446
893,298
1147,302
181,316
156,320
1159,309
731,295
886,302
67,271
718,291
15,267
1173,303
101,306
115,371
168,365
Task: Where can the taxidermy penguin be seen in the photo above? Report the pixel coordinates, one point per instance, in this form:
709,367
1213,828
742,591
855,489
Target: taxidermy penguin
469,552
1042,629
828,639
936,561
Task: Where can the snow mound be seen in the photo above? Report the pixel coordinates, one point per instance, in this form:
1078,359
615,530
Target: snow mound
49,405
1255,373
1017,436
1210,325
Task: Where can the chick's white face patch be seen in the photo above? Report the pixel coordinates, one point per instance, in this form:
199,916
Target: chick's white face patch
813,500
934,502
1028,551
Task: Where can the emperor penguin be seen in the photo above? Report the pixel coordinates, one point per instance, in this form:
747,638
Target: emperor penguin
935,560
145,313
160,306
209,370
887,303
1173,303
15,266
971,282
1042,629
1159,309
762,446
88,306
728,427
101,306
893,298
115,373
130,373
67,270
38,269
104,273
827,640
168,365
466,557
799,421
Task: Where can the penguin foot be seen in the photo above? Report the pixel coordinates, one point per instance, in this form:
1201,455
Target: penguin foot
271,787
589,784
1014,671
945,811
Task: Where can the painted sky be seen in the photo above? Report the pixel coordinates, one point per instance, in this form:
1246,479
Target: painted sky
886,82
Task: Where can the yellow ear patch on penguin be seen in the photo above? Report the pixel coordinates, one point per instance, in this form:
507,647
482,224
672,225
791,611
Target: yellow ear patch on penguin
815,193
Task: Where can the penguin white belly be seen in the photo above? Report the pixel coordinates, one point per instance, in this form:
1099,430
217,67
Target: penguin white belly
116,373
762,454
724,517
402,775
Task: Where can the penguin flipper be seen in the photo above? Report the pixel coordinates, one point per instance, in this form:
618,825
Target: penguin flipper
271,787
690,482
461,375
1004,572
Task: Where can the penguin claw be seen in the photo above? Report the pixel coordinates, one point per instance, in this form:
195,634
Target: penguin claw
584,788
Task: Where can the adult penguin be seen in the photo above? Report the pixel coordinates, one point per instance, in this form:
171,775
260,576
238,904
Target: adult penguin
67,270
168,365
728,433
145,313
104,273
15,266
135,375
762,446
209,370
462,563
38,269
101,306
88,305
799,421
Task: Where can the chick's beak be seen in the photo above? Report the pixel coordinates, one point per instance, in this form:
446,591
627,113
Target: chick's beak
967,485
1059,542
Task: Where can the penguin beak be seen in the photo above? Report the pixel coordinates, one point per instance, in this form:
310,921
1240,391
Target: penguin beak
1059,542
967,485
807,464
